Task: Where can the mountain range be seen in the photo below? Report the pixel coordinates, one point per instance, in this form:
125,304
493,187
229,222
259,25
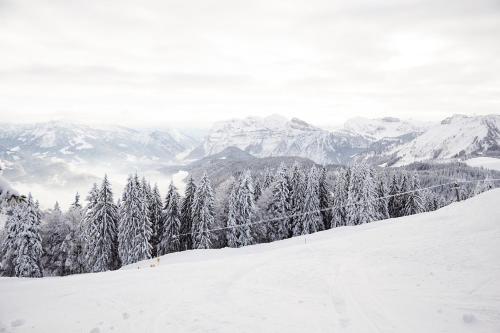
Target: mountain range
57,159
385,141
457,137
27,150
278,136
65,155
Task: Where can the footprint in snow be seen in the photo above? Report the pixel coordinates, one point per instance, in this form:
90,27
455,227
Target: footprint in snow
125,316
95,330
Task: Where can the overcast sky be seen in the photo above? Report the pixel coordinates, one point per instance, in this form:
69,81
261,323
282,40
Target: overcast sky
190,62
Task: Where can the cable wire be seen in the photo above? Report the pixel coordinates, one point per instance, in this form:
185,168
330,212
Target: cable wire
262,221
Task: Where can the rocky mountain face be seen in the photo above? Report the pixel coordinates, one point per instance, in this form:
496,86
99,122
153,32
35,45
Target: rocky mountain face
277,136
457,137
384,141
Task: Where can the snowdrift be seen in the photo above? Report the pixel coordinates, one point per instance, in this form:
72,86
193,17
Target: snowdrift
433,272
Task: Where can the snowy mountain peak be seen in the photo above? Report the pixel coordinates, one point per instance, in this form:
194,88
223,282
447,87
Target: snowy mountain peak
277,136
298,124
388,127
458,136
391,120
454,118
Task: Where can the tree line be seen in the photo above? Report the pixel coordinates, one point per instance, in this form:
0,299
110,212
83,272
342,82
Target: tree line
105,234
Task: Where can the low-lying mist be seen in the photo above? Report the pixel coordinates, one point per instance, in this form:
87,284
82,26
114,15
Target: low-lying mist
79,178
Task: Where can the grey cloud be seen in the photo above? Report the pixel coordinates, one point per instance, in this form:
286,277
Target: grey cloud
409,58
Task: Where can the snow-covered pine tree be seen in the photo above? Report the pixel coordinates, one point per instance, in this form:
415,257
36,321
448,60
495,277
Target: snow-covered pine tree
102,239
257,189
16,215
280,205
88,212
76,203
232,231
72,248
394,203
148,195
141,229
432,200
404,187
414,203
8,246
245,209
268,179
203,215
383,202
73,245
54,231
155,216
169,239
129,212
297,189
187,215
29,241
311,220
221,204
325,200
21,249
339,200
361,199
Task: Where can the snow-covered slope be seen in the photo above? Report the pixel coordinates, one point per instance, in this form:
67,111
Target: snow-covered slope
484,162
455,137
388,127
278,136
434,272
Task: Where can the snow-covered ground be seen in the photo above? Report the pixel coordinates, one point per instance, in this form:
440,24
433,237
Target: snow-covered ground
434,272
485,162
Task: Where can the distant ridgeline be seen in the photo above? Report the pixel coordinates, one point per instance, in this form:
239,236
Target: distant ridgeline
228,201
58,154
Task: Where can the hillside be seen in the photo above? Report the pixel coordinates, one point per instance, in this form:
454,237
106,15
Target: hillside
457,137
434,272
231,161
